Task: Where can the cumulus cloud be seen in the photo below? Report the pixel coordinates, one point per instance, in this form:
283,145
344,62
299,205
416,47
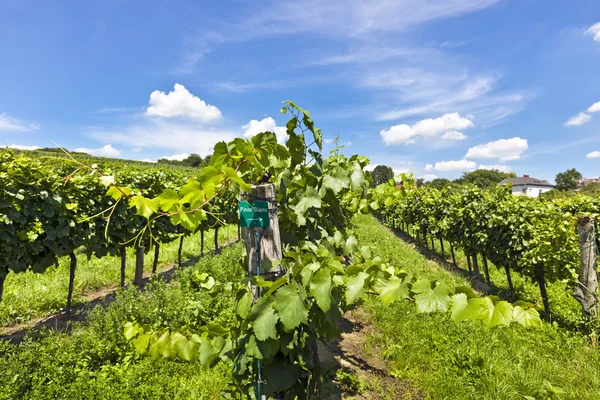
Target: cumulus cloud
265,125
593,154
503,149
594,31
499,167
181,103
578,119
454,135
106,151
594,107
405,134
166,135
454,165
22,147
428,177
137,149
177,157
9,124
584,116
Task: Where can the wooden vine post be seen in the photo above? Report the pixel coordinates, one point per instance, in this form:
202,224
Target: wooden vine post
123,254
139,266
260,230
270,239
72,267
586,291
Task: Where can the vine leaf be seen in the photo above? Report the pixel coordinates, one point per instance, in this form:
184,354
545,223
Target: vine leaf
167,199
320,289
355,287
145,207
526,315
464,308
391,290
264,319
430,299
495,312
290,306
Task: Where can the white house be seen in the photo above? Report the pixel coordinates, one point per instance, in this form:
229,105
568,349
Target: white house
527,186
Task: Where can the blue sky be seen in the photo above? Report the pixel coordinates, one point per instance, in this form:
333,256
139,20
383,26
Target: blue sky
434,87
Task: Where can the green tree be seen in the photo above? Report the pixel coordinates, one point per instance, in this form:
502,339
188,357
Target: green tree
483,178
438,183
592,189
568,180
381,174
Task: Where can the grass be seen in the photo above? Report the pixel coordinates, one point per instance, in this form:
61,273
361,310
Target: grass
94,361
467,361
564,309
28,295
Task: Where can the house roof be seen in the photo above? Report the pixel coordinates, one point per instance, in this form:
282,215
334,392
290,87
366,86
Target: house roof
525,180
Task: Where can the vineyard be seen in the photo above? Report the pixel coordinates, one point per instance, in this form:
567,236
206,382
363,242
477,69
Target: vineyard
223,329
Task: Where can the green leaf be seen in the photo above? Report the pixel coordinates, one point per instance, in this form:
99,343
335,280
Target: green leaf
167,199
233,175
495,314
290,306
282,376
338,182
310,199
320,289
526,315
391,290
141,343
350,246
463,308
355,287
428,299
130,330
118,192
145,207
264,319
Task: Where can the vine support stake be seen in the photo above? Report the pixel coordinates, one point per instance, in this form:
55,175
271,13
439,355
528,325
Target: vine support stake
453,256
586,291
179,251
217,250
201,242
123,253
485,269
72,267
442,246
469,263
510,284
541,279
139,266
476,267
270,243
2,280
156,254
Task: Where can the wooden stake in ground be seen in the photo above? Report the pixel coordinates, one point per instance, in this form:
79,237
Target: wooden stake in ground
476,267
156,254
139,266
72,267
541,280
485,269
201,242
2,280
123,253
453,256
179,251
270,244
509,279
217,250
586,292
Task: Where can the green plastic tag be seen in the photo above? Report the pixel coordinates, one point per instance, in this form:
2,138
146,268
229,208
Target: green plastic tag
254,214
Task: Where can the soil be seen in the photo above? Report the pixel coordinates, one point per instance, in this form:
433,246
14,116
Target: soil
356,368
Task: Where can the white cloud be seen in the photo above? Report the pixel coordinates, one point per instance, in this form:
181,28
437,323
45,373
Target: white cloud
137,149
594,31
593,154
165,135
499,167
176,157
106,151
503,149
265,125
594,107
181,103
9,124
454,135
328,140
428,177
23,147
404,134
578,119
459,165
148,160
